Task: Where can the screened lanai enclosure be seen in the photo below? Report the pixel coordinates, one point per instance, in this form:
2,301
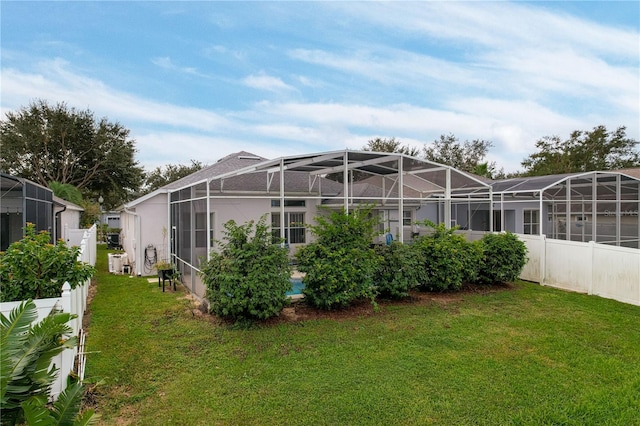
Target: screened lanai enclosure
288,192
403,191
593,206
23,201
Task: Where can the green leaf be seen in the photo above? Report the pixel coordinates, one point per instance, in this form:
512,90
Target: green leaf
36,412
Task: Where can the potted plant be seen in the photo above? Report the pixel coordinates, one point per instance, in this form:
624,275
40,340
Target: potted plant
165,269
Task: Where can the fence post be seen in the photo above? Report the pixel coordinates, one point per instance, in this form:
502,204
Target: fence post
543,258
592,246
65,299
67,356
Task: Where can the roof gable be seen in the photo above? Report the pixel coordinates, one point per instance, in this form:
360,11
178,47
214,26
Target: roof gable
230,163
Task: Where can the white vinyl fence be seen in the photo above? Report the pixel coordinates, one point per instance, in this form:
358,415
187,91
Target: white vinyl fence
599,269
71,300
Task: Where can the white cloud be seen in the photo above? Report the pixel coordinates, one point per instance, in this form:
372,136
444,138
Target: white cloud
57,83
166,63
495,25
265,82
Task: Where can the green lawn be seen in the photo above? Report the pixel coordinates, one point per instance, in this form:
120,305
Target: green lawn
532,355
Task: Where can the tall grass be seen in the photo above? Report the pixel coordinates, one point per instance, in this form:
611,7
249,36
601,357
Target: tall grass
531,355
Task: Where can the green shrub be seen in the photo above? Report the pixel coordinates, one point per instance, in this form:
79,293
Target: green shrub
400,268
504,256
449,259
472,256
336,277
33,268
340,264
249,278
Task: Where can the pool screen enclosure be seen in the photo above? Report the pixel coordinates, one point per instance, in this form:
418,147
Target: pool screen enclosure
592,206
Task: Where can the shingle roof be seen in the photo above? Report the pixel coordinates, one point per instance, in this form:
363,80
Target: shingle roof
230,163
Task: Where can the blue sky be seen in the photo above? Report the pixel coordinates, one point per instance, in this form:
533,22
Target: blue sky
199,80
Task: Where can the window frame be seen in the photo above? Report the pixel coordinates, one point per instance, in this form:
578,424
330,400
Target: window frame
531,226
298,227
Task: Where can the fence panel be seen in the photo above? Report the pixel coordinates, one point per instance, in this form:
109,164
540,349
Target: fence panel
534,267
616,273
568,265
600,269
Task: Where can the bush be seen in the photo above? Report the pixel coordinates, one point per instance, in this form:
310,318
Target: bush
340,264
400,268
33,268
249,278
449,260
27,373
335,277
472,255
504,256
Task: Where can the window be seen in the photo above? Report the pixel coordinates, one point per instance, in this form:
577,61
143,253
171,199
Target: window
288,203
294,232
382,221
201,230
212,234
406,218
531,222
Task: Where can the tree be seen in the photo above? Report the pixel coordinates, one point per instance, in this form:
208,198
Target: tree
466,156
390,145
161,176
67,192
47,143
584,151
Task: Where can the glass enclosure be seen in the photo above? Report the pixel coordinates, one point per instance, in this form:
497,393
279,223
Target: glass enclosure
23,201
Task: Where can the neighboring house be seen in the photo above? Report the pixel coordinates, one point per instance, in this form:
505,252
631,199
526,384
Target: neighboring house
111,219
22,201
590,206
66,217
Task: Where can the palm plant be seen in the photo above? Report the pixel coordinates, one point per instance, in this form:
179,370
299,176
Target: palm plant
27,373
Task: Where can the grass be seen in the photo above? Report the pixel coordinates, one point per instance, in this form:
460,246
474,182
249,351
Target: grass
532,355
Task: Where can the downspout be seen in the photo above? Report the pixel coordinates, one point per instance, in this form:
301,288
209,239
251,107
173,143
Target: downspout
56,237
137,231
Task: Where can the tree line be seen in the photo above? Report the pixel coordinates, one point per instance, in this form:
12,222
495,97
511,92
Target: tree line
83,158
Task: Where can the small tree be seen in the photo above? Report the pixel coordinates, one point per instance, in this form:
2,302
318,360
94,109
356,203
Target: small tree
340,264
248,280
32,268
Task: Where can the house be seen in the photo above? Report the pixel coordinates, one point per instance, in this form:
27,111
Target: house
23,201
182,221
589,206
66,218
